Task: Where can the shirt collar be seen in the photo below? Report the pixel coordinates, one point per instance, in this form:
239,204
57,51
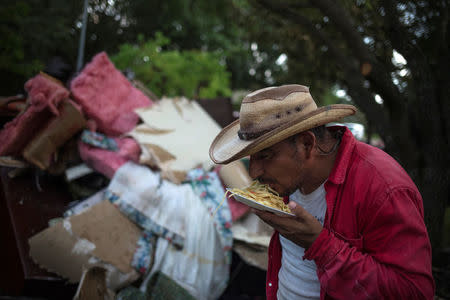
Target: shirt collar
339,171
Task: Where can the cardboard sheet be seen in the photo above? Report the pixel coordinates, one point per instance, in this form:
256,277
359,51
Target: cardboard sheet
58,251
175,136
251,240
99,235
252,230
113,234
252,254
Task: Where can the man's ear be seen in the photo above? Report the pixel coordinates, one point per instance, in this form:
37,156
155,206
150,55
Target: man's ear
307,140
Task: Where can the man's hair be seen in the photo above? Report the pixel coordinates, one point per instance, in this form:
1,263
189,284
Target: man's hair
319,132
321,135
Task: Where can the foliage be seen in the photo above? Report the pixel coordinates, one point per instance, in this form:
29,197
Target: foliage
329,97
12,49
204,25
32,32
193,73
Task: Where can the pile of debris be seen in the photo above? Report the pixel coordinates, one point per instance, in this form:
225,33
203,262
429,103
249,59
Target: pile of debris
159,215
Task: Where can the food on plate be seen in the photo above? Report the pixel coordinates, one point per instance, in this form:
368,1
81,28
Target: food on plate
263,194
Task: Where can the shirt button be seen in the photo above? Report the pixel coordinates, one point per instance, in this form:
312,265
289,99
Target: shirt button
270,283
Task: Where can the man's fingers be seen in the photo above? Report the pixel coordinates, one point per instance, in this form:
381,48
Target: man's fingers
271,218
264,214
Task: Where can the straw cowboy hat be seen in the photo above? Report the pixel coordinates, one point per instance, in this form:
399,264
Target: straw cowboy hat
269,116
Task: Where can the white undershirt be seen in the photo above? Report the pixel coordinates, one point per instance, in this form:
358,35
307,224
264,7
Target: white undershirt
297,278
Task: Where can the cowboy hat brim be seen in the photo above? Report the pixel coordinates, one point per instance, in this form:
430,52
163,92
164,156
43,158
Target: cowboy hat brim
227,146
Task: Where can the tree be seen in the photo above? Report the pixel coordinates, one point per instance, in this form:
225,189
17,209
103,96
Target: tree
356,44
31,33
201,24
190,73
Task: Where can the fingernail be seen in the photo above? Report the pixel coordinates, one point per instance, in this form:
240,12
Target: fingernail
292,205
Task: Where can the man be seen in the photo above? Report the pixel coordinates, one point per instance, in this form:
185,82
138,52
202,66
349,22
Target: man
358,230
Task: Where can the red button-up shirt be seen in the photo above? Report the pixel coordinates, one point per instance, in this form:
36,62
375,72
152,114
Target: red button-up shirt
374,244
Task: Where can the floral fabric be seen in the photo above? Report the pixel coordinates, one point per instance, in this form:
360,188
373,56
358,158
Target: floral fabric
144,255
208,187
99,140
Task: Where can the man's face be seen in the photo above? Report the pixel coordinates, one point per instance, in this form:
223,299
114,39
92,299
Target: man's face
279,166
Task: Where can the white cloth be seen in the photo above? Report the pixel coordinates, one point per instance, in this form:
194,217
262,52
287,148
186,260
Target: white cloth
297,278
157,199
200,267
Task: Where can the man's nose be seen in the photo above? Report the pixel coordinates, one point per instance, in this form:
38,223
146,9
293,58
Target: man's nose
255,168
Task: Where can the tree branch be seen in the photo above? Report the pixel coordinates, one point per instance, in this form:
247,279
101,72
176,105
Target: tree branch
399,37
379,77
375,114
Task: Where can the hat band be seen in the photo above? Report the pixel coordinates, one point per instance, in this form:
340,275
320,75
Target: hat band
247,136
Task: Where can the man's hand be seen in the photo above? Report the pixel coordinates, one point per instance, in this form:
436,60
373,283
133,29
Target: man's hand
303,229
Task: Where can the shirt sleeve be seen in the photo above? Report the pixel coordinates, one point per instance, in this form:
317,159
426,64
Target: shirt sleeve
392,260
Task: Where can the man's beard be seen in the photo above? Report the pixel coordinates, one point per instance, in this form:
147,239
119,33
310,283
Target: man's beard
291,188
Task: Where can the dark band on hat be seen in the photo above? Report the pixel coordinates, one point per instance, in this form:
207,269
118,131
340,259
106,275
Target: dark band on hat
247,136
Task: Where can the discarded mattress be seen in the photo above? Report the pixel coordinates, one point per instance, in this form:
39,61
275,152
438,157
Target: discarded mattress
44,97
58,130
107,97
107,162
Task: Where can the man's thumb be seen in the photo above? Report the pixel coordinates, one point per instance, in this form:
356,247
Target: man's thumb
296,209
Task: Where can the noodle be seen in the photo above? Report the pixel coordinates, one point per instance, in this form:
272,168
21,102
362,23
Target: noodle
263,194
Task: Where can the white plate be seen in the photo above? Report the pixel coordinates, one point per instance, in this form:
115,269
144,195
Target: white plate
257,205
